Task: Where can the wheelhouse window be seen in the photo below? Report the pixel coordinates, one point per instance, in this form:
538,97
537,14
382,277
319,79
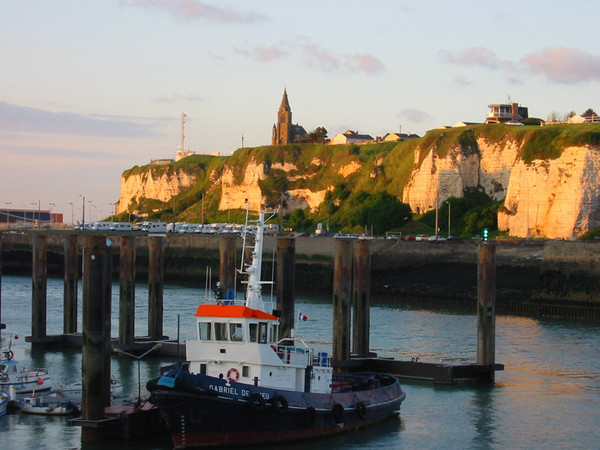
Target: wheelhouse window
262,332
235,332
253,332
204,331
274,333
220,331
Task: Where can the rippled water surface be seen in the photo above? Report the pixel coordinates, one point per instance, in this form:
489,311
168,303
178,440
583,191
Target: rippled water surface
547,397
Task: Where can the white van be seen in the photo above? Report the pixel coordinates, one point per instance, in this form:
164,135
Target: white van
156,227
120,226
101,226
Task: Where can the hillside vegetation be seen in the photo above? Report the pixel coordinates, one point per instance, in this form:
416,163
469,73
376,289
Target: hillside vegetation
361,180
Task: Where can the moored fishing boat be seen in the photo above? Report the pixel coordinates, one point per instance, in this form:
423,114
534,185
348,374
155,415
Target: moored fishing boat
21,380
241,385
49,405
4,399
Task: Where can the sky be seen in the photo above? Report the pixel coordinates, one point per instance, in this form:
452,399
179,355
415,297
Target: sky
91,88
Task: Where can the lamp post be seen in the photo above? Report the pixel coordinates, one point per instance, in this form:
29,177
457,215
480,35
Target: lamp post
7,205
82,213
33,215
154,347
71,203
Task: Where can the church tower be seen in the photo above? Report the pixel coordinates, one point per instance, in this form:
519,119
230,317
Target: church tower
283,131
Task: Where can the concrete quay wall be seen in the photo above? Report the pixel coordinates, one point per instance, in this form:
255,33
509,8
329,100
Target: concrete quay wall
527,270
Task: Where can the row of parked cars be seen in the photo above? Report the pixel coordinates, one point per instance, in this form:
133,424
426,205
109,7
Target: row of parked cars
422,237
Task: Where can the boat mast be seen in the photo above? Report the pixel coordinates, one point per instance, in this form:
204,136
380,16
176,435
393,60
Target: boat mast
253,291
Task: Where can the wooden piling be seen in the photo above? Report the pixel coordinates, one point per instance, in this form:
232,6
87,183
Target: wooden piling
70,283
227,262
96,343
286,282
486,304
38,292
2,326
342,300
127,291
156,252
361,293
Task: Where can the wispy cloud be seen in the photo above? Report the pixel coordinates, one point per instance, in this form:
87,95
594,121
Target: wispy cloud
193,9
414,115
39,152
320,58
366,63
478,56
563,65
179,98
560,65
461,82
22,119
263,53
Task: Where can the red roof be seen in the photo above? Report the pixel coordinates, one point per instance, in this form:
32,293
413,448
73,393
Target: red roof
237,311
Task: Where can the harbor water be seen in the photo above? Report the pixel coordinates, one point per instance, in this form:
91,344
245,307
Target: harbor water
548,396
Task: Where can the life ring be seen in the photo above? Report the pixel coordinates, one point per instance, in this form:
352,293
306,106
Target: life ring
279,403
361,410
233,374
311,416
337,412
256,401
9,355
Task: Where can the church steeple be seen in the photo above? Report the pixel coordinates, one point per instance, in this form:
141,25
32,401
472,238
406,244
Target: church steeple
284,101
282,131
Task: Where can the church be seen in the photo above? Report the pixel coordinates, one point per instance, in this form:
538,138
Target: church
284,131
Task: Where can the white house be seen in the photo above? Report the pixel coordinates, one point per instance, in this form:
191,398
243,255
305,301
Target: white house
351,137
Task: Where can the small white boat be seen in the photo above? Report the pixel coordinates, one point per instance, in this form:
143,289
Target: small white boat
23,381
4,399
74,391
47,405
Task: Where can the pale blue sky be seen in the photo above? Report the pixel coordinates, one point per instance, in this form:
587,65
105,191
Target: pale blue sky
90,88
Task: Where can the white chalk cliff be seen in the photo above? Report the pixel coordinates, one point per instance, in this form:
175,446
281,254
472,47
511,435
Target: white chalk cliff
554,198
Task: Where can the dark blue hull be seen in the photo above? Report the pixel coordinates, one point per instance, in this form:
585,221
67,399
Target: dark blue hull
206,411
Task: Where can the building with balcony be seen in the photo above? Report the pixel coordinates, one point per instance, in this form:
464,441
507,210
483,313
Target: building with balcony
502,113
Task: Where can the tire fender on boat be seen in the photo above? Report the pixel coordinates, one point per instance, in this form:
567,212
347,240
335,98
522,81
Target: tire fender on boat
361,410
279,403
337,412
256,401
233,374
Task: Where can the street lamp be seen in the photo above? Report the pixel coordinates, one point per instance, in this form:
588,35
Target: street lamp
33,215
7,204
154,347
71,203
82,213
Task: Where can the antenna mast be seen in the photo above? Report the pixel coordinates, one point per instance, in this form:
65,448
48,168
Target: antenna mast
183,116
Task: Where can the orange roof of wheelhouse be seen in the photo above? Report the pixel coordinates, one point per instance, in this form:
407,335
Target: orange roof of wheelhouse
237,311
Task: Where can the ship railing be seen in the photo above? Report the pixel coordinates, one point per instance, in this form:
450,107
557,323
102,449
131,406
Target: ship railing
291,354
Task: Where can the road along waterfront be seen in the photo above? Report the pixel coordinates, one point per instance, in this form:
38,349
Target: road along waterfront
548,396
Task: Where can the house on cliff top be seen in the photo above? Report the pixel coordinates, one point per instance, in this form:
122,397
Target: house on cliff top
351,137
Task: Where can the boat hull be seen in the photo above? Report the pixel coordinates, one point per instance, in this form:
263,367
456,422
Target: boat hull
210,412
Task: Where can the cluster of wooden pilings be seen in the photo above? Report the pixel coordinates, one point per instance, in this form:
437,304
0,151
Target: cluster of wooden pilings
350,333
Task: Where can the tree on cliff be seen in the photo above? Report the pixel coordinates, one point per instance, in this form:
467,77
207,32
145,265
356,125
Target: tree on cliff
317,136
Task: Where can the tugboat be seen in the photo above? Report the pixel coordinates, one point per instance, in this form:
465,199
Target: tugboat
241,385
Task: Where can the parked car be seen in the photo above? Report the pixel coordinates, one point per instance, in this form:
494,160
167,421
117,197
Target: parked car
454,238
437,238
421,237
410,237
